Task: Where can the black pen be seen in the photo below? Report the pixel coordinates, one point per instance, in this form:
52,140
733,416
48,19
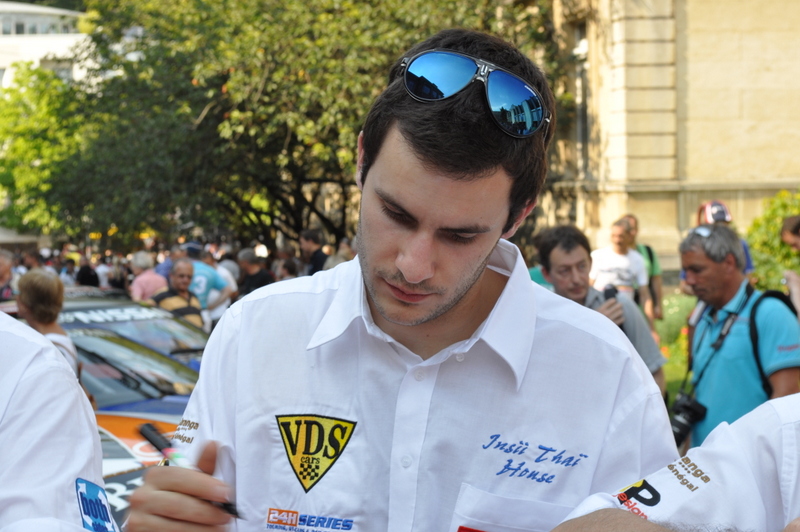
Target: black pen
163,445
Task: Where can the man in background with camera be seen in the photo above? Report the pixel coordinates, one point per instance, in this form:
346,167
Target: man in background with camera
725,370
565,254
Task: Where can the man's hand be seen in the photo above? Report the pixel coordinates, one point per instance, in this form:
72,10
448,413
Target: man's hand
794,526
177,499
612,309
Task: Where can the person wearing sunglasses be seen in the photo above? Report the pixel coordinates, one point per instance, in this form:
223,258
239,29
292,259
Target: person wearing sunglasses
429,384
729,379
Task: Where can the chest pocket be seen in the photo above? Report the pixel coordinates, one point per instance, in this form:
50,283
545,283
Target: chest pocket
481,511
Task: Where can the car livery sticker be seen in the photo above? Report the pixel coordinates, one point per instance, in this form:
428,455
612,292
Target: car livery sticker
112,315
313,444
93,506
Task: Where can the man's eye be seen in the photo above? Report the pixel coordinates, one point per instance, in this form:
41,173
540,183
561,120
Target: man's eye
394,215
462,238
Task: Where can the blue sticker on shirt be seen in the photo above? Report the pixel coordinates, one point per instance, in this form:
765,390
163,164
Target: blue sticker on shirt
93,505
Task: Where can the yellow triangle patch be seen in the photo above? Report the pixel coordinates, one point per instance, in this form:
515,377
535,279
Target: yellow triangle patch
313,444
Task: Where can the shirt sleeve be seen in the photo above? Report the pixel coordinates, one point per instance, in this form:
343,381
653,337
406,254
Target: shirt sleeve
655,266
219,282
778,336
49,441
639,417
732,481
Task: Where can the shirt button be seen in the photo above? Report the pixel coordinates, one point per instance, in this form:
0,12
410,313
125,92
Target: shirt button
419,374
406,461
460,357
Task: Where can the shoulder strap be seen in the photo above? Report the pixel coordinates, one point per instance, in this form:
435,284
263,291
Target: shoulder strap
754,332
649,251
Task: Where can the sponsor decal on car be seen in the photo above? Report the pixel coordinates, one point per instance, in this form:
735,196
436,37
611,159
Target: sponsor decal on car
313,444
295,521
112,315
94,508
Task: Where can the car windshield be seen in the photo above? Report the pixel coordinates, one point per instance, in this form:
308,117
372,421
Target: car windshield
155,328
168,376
111,385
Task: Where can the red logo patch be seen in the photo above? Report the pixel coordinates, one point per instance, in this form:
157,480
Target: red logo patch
465,529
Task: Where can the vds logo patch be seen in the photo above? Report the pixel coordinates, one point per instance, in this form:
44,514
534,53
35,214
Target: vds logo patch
93,504
313,444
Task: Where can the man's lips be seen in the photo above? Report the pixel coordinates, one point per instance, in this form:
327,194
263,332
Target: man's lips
408,297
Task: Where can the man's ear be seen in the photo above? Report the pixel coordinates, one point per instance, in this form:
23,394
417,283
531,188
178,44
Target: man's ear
360,162
521,218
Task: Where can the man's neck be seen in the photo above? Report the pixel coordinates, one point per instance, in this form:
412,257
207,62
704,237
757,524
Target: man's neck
457,324
729,294
620,250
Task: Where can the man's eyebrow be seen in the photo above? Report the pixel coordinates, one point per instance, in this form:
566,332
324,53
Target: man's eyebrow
467,229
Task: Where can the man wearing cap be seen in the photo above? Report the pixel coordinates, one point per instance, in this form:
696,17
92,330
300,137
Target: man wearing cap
428,385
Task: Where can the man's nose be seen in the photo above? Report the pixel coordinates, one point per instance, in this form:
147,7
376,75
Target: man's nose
416,258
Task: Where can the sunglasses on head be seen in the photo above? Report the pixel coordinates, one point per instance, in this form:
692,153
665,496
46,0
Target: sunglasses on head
701,231
516,107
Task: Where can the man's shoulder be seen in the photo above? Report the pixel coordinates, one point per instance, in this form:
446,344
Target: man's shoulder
319,287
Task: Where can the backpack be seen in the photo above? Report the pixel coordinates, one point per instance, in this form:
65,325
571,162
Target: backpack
651,288
754,332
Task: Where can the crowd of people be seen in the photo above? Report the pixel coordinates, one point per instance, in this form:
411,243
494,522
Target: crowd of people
429,384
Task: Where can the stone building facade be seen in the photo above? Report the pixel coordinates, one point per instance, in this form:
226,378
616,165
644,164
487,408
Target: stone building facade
678,102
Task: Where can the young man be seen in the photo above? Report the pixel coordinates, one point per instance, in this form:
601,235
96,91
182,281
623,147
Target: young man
725,373
566,259
311,246
428,385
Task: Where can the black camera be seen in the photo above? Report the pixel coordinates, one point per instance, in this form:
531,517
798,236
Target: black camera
686,411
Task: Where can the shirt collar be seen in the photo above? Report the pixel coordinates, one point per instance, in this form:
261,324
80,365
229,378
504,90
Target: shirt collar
508,330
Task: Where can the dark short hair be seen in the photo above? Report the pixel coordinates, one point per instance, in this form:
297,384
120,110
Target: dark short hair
290,266
791,225
457,135
312,235
568,237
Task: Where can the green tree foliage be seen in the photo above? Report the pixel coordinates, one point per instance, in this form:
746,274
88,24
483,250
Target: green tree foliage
245,113
39,132
770,255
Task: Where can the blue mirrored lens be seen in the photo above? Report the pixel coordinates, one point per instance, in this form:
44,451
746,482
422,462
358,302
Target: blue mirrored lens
438,75
515,106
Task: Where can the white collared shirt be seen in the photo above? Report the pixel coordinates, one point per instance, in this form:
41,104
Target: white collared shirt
51,460
743,477
326,422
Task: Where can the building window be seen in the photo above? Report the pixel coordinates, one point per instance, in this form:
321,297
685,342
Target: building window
19,28
7,26
33,28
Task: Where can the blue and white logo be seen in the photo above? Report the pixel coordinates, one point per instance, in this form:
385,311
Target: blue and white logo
93,505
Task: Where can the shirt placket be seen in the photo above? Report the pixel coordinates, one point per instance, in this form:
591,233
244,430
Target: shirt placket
410,425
